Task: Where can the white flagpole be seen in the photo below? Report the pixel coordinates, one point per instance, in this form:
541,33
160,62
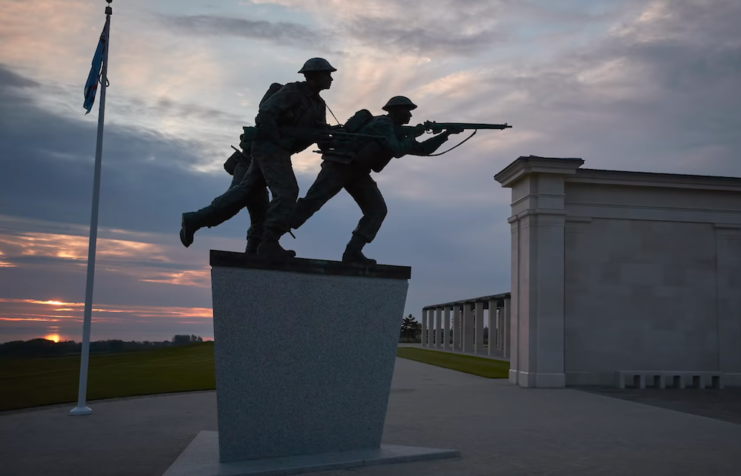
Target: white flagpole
82,408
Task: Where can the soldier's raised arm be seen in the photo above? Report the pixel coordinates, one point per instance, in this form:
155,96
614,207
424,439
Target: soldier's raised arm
396,147
432,144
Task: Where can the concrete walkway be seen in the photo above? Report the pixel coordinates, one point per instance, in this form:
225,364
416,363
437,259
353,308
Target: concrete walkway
500,429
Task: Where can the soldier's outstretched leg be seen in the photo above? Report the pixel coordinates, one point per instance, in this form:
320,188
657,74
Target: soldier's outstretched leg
275,164
223,207
364,190
328,183
194,221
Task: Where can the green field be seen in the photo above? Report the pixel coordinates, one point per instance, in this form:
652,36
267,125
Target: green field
44,381
469,364
28,383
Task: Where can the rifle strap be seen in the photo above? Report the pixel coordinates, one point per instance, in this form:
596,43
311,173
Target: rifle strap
458,145
330,111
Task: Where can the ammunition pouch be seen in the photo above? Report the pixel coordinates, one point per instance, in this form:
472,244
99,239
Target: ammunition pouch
231,162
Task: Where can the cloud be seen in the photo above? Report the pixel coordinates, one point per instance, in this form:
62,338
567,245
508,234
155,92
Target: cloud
448,29
9,79
279,33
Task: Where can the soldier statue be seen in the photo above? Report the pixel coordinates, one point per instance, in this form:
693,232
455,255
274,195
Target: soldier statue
353,174
295,105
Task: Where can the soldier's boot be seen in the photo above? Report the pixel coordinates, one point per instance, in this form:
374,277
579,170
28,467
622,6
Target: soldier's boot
193,221
270,246
252,245
354,252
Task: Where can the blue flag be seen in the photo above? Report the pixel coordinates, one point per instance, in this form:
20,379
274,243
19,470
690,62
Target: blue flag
101,55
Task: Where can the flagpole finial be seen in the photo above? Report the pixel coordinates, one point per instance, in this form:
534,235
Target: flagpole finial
108,9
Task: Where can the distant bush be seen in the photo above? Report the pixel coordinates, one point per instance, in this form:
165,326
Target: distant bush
185,339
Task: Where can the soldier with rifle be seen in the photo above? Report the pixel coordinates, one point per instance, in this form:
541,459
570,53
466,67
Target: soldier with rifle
349,167
295,105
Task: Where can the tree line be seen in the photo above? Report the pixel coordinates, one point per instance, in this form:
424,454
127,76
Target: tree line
47,348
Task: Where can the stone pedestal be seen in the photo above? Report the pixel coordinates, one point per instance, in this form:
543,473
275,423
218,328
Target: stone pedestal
304,355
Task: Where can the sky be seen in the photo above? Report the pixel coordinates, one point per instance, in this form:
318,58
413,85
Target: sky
645,85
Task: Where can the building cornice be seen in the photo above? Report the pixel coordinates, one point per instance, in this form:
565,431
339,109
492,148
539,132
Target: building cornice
533,164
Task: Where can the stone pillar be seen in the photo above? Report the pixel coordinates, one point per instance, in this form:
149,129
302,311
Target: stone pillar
537,225
446,328
457,328
728,262
505,322
430,330
499,330
479,346
438,328
424,328
467,329
493,328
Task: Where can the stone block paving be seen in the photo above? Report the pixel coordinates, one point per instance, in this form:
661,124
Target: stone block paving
499,428
724,405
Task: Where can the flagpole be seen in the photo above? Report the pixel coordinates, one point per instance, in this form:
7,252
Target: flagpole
82,408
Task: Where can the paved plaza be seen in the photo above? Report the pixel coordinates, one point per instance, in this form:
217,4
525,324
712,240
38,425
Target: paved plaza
500,429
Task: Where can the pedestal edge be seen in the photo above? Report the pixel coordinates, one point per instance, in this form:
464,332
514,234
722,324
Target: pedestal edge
200,458
231,259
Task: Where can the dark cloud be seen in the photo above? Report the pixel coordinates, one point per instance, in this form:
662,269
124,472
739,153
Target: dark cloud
460,28
47,168
9,79
397,34
280,33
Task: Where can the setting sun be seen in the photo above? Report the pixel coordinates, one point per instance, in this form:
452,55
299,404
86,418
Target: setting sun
54,337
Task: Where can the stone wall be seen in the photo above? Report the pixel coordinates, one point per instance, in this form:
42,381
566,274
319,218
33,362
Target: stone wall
623,272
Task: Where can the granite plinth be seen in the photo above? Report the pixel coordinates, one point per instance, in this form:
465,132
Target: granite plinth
304,354
230,259
201,458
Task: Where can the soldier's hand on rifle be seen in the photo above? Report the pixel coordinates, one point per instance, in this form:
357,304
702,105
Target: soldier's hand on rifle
325,144
419,129
453,130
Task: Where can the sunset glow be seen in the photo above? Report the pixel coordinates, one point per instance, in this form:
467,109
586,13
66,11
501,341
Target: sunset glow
54,337
71,247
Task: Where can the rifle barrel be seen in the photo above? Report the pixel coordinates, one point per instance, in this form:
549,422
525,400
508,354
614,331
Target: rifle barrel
464,125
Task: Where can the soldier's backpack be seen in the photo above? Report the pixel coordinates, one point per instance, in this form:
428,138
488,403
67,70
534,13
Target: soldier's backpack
244,142
358,120
369,153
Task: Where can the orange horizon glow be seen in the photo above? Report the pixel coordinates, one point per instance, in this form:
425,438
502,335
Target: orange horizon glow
73,247
31,310
53,337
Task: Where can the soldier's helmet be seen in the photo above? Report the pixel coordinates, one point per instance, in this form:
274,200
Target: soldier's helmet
399,101
315,65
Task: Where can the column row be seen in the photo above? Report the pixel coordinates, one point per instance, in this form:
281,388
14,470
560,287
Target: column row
466,331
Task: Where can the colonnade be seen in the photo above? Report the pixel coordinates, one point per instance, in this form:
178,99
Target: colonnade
466,321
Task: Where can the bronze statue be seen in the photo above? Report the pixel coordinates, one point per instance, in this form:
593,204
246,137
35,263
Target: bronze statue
349,167
271,144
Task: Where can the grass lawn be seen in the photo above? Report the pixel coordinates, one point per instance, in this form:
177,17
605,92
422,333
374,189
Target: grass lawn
28,383
469,364
43,381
